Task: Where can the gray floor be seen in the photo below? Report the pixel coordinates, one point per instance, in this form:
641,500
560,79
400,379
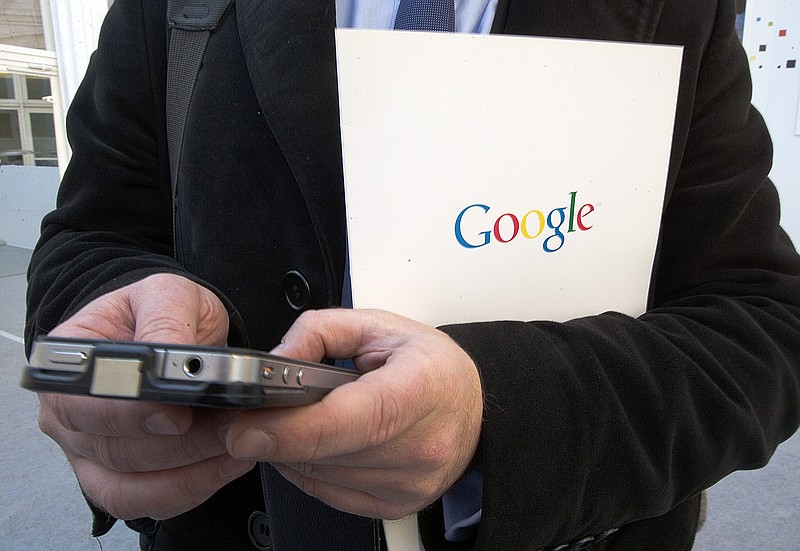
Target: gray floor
41,508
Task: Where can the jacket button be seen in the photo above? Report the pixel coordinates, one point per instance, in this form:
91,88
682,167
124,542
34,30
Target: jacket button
258,530
296,289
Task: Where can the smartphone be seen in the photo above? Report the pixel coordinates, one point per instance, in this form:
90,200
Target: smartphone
192,375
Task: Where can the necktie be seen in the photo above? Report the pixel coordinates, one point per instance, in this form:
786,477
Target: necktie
426,15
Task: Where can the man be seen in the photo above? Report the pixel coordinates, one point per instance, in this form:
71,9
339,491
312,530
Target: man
601,432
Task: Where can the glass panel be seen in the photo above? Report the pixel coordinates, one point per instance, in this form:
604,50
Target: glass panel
43,133
46,162
38,87
10,143
6,86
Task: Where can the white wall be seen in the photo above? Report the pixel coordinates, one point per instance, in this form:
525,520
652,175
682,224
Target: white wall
71,29
772,41
27,193
76,26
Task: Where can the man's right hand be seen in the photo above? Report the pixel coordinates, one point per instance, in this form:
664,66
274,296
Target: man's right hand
141,459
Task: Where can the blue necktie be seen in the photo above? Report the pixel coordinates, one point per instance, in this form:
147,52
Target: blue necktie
426,15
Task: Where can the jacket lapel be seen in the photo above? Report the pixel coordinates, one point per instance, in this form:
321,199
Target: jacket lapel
620,20
290,54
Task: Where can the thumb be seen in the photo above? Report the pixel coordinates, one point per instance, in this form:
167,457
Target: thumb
172,309
366,336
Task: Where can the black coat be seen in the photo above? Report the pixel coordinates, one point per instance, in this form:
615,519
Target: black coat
598,423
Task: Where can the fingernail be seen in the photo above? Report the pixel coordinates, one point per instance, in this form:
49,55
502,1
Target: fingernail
231,467
160,423
253,444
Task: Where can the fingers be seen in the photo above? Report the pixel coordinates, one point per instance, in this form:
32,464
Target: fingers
359,499
133,436
156,494
202,442
137,459
103,417
412,483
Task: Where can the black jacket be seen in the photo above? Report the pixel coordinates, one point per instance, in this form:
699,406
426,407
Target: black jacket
607,421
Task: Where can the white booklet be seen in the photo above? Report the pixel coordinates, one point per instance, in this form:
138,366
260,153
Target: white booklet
502,177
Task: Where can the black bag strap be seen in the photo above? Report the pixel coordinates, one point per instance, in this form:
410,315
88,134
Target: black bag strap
191,23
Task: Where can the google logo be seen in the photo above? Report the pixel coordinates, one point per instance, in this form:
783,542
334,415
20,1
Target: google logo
508,226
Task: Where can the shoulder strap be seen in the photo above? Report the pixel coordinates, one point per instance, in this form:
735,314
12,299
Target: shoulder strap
191,23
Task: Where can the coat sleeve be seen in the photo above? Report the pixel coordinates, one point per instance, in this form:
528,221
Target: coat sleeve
113,220
606,420
112,223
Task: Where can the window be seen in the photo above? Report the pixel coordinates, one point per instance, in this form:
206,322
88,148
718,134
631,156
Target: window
6,87
27,129
11,151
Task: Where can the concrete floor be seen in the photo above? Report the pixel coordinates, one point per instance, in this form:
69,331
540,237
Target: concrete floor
41,508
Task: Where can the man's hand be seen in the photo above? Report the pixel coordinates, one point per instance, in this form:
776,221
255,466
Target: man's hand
386,445
138,459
